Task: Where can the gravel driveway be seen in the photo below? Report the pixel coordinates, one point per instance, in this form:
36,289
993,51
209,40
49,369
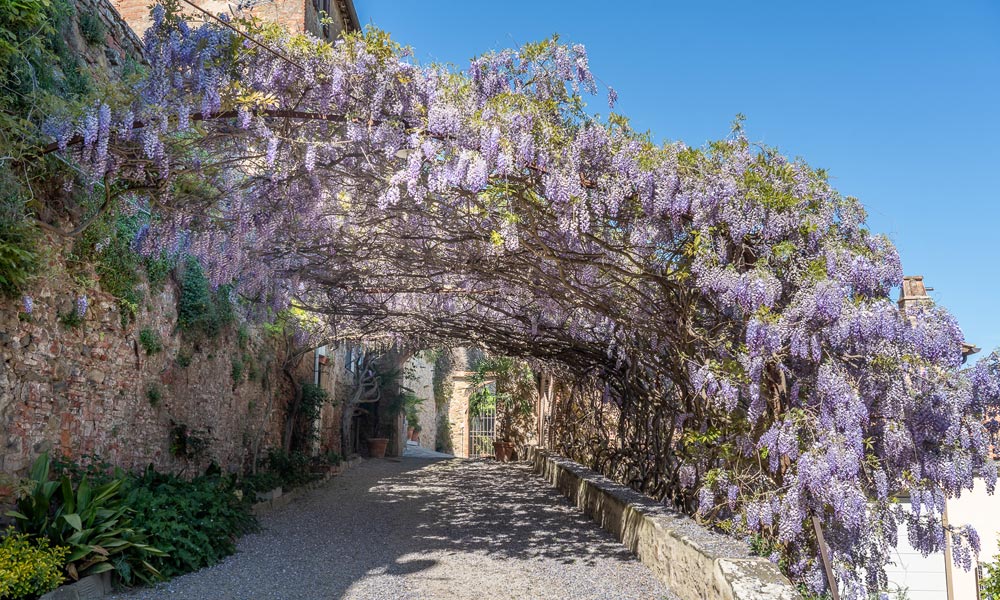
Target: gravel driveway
422,528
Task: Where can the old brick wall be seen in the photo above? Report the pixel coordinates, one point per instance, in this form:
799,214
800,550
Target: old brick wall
87,389
120,41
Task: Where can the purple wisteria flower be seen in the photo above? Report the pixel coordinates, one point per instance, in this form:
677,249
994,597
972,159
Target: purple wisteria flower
81,306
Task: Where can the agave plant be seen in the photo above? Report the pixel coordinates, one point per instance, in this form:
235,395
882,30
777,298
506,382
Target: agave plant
92,521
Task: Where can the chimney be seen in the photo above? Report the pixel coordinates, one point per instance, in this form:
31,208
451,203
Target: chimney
913,291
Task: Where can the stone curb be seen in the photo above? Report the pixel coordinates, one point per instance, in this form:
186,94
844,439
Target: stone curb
697,564
282,499
88,588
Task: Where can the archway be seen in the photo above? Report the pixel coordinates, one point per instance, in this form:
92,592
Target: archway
720,316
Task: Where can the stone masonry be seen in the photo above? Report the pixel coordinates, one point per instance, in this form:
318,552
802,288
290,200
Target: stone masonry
92,389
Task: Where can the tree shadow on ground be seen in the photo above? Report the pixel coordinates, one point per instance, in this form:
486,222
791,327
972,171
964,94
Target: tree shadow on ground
420,528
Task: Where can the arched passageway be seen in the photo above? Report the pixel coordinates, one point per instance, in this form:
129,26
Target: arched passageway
720,316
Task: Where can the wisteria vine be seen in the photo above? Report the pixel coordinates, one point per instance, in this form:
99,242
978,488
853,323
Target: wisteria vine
728,287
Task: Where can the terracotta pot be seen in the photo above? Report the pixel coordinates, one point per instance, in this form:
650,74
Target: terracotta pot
414,435
409,433
376,447
504,451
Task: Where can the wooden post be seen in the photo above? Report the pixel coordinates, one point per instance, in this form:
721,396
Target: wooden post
949,577
824,554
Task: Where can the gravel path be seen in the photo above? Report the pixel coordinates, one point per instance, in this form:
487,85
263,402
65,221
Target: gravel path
423,528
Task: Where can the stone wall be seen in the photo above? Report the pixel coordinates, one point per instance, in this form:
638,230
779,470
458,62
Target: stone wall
120,40
418,375
697,564
92,389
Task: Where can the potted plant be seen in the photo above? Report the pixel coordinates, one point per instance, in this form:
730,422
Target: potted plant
377,446
507,385
411,404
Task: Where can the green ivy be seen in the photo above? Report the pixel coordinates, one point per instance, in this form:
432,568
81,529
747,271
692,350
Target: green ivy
18,241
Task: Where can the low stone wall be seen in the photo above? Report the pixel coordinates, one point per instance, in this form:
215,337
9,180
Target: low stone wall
696,563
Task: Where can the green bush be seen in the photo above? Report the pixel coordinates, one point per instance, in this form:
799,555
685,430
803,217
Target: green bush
188,443
199,309
92,521
184,358
157,272
237,371
259,482
29,567
150,341
92,28
195,522
154,395
989,585
18,261
291,468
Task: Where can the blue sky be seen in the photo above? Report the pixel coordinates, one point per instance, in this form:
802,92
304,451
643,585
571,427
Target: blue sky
898,100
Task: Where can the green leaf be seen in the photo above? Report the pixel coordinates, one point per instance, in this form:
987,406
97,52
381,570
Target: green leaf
74,521
100,567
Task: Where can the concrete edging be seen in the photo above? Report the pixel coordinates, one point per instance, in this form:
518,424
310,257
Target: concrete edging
697,564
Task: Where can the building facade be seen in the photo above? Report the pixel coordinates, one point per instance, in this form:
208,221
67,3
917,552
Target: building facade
305,16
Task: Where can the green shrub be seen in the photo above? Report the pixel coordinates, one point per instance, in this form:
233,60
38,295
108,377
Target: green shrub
195,522
157,272
88,466
154,395
183,358
92,521
313,399
150,341
18,261
199,309
92,28
291,468
188,443
989,585
237,371
29,567
259,482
